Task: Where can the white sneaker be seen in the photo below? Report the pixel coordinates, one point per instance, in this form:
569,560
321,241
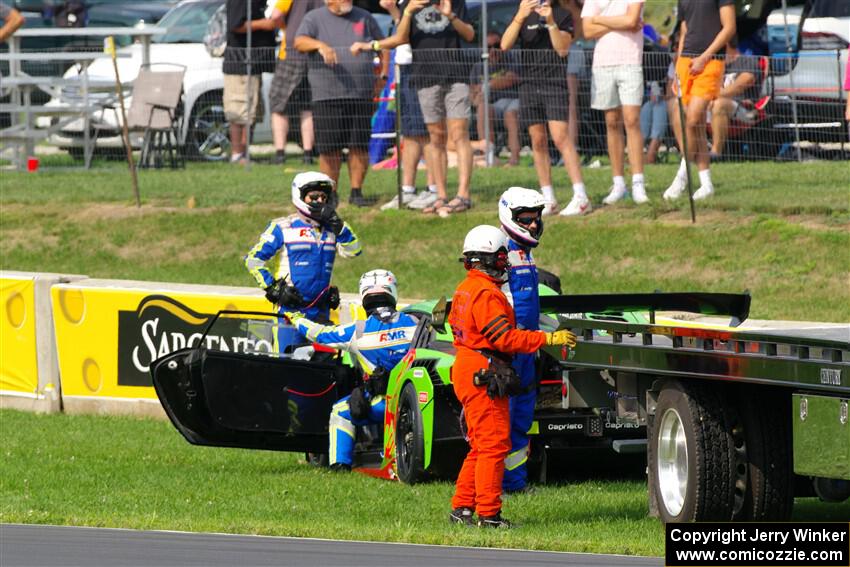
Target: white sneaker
703,192
675,190
425,199
617,192
639,193
550,208
578,206
406,199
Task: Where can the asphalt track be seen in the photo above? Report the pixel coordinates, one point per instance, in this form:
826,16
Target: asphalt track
46,546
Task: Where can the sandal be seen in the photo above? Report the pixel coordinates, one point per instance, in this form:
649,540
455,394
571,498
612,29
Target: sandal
456,205
431,209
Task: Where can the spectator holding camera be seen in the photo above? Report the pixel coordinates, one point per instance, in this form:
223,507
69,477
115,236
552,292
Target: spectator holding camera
739,94
617,87
342,84
435,29
504,96
543,31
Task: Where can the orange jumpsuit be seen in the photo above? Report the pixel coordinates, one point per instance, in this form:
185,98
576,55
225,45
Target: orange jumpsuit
482,318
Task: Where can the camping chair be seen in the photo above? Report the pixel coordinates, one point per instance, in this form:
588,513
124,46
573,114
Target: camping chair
155,110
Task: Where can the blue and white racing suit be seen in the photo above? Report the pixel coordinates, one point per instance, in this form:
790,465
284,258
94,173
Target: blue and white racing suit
381,340
304,253
522,292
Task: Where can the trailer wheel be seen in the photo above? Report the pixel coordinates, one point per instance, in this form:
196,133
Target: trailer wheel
770,472
409,437
691,455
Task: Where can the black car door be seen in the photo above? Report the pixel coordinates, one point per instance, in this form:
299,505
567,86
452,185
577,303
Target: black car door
250,399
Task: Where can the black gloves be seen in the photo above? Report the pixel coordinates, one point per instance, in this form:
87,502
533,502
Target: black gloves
378,381
327,216
358,406
286,295
333,297
501,382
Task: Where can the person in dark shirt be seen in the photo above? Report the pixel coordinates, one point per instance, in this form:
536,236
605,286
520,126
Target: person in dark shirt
435,29
504,96
241,91
741,90
707,26
544,33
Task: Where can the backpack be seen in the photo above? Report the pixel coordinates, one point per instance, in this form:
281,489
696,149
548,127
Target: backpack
70,14
215,39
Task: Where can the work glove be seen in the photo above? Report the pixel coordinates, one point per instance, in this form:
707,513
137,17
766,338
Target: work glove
281,294
560,338
333,297
328,218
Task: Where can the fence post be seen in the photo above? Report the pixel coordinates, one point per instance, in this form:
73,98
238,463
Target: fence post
485,86
249,126
397,90
791,79
840,86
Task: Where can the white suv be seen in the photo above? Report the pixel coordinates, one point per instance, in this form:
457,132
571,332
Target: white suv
204,128
816,77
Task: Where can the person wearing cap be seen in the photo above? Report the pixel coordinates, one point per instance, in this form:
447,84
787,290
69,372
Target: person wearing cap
377,344
521,217
294,257
485,336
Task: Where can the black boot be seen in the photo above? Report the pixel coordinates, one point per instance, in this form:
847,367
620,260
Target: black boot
496,521
308,157
340,467
279,157
358,200
462,516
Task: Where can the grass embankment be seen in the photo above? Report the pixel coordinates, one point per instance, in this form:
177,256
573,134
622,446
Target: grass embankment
781,231
137,473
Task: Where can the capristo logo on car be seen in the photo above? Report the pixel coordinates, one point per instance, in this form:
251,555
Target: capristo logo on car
161,325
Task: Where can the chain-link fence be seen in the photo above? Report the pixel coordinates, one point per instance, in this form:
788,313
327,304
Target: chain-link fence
789,107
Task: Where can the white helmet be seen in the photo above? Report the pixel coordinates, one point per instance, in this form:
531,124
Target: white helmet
484,238
486,248
518,200
378,288
308,181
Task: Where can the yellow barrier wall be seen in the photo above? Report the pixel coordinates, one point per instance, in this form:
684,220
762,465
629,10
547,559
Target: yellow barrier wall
18,353
108,332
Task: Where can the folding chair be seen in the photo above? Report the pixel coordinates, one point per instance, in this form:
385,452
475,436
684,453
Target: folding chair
156,110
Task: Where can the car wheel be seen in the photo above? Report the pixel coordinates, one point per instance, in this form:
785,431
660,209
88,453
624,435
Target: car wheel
316,459
409,437
208,137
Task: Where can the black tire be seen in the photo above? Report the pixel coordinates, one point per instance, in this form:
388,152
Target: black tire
698,486
317,459
409,437
768,458
208,135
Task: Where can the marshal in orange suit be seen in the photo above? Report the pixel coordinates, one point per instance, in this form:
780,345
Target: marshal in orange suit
484,328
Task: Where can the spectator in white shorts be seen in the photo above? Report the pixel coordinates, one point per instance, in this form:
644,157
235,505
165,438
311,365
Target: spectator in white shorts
617,87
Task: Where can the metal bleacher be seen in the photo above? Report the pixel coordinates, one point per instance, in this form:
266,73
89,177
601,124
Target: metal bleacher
20,138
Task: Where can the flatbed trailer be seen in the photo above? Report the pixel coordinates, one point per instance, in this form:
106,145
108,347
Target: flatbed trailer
737,422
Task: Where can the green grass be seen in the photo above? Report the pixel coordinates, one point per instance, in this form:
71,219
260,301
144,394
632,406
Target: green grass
140,474
782,231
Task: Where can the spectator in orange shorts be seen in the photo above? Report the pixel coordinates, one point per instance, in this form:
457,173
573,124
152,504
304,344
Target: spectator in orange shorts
707,27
